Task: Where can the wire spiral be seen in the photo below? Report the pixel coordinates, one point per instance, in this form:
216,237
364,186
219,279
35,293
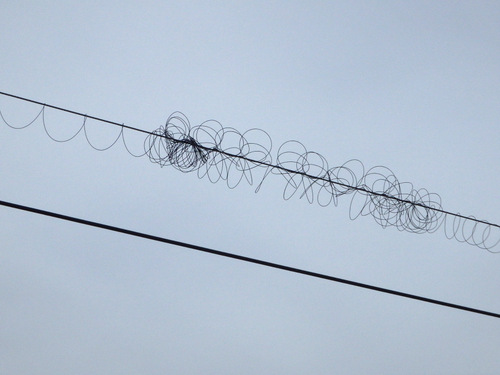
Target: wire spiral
223,153
375,192
215,152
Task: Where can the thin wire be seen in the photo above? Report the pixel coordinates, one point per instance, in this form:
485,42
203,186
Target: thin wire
263,163
245,259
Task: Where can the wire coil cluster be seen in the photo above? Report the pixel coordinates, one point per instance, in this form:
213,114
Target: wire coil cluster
222,153
212,150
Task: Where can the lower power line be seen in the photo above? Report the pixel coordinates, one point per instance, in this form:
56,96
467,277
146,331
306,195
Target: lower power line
244,258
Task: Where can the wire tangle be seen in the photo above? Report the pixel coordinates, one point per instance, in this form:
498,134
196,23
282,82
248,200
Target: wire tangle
223,153
375,192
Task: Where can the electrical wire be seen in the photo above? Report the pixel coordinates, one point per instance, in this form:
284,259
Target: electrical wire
244,258
222,153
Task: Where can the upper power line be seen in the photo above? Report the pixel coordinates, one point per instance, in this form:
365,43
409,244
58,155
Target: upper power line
222,153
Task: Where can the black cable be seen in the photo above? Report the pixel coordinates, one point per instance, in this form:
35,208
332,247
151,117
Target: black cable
75,113
287,170
376,192
244,258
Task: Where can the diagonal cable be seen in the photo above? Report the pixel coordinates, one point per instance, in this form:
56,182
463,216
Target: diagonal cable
245,259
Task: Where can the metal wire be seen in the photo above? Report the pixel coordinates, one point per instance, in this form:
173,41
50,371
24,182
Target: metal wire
223,153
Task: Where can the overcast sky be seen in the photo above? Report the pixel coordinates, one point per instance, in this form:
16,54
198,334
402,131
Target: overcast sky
410,85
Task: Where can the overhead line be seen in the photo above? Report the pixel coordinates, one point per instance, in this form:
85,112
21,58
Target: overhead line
244,258
76,113
357,188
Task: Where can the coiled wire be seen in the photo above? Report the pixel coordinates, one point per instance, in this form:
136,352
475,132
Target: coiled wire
223,153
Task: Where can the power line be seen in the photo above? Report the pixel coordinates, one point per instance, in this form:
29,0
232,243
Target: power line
278,167
244,258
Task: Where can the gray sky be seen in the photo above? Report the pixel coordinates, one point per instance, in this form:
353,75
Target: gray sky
413,86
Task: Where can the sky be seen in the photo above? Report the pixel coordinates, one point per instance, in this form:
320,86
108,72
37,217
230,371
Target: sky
412,86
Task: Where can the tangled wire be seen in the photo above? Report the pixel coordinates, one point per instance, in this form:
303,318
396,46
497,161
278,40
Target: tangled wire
221,153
